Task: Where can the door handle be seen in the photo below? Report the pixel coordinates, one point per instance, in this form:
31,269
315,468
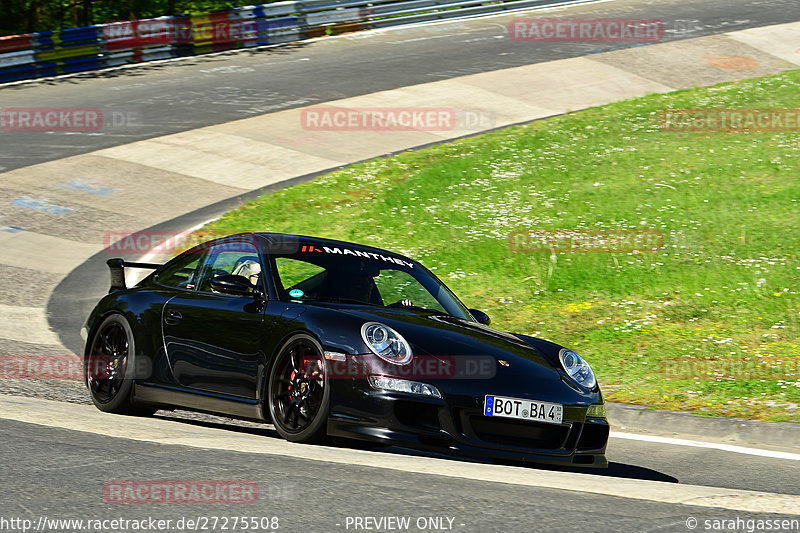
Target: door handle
173,317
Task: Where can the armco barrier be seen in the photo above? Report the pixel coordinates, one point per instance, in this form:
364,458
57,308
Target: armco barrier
119,43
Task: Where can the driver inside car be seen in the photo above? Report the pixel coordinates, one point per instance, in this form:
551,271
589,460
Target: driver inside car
351,285
249,269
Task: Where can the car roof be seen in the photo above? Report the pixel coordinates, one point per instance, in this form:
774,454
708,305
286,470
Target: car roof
321,241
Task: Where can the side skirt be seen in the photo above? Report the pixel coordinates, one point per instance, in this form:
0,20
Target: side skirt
197,401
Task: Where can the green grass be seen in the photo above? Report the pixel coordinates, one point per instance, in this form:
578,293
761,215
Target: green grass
721,293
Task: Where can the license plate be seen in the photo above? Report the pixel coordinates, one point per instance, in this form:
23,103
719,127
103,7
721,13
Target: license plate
552,413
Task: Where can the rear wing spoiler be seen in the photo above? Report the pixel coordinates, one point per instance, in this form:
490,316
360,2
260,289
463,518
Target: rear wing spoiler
117,268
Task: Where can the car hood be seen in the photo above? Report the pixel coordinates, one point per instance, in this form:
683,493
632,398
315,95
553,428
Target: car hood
439,335
521,367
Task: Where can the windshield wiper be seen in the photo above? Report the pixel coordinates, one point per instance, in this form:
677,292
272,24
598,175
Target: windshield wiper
398,305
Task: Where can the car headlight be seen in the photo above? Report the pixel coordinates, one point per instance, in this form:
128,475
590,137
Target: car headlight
578,369
386,343
404,385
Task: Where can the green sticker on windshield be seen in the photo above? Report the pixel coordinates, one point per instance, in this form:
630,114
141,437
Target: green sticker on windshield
296,293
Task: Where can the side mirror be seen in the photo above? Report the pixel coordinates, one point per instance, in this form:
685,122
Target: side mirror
480,316
233,284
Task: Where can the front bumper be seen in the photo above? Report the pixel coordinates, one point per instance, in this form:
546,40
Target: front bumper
456,423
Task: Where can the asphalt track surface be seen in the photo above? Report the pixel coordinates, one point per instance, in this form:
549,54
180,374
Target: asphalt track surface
60,473
167,97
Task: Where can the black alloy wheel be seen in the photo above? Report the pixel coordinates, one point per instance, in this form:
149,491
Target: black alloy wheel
298,391
109,368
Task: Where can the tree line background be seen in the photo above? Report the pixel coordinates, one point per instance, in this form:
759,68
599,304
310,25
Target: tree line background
26,16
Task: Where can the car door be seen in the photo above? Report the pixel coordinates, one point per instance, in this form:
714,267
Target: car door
214,342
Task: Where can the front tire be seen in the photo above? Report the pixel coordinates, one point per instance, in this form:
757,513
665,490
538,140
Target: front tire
299,394
110,367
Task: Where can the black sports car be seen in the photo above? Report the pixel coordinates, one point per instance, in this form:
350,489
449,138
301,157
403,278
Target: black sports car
331,339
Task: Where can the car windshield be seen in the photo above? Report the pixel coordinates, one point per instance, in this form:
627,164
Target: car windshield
343,275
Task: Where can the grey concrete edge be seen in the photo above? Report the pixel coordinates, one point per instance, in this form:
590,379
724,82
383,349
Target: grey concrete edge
680,424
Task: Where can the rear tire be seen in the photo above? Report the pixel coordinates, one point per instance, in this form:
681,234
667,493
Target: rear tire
109,366
298,391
